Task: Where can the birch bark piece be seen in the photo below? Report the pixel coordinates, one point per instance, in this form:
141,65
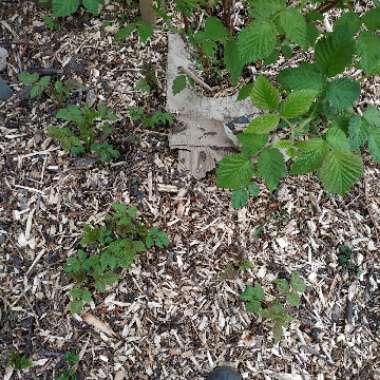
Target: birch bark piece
202,140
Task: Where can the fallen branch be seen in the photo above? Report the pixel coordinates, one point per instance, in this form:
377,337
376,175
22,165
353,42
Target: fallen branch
188,72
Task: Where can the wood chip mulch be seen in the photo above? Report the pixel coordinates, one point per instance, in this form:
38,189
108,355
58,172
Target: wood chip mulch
178,312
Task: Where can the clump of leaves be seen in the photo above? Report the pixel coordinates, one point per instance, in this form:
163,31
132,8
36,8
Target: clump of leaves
108,249
144,31
275,311
85,130
155,119
39,84
18,360
64,8
60,90
324,135
69,373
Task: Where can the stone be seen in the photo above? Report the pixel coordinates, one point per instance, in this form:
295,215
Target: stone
3,58
5,91
224,373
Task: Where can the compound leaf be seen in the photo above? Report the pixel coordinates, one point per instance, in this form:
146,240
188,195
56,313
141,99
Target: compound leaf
262,125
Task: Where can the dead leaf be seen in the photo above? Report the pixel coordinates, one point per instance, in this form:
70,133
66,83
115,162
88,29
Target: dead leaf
201,140
98,324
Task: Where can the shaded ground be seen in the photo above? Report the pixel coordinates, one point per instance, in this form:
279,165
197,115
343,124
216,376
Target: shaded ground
178,312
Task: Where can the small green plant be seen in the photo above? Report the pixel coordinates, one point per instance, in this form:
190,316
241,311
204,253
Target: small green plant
60,90
39,84
64,8
144,31
81,130
71,359
275,311
158,118
18,360
108,249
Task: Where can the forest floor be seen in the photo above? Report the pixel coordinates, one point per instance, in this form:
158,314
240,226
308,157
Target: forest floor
178,312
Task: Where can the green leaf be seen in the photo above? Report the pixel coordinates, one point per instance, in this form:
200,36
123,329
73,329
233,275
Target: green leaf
70,113
233,64
157,237
234,172
145,30
106,152
357,132
293,298
253,189
310,156
374,143
372,19
264,95
271,167
245,91
125,32
340,170
28,79
179,84
298,103
282,285
297,283
39,87
372,116
69,141
257,41
76,307
63,8
304,77
262,125
215,30
253,307
341,93
93,6
142,85
369,52
265,9
334,52
349,22
336,138
294,25
251,293
239,198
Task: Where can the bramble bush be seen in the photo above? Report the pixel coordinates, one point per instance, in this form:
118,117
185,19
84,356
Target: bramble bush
309,120
289,294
